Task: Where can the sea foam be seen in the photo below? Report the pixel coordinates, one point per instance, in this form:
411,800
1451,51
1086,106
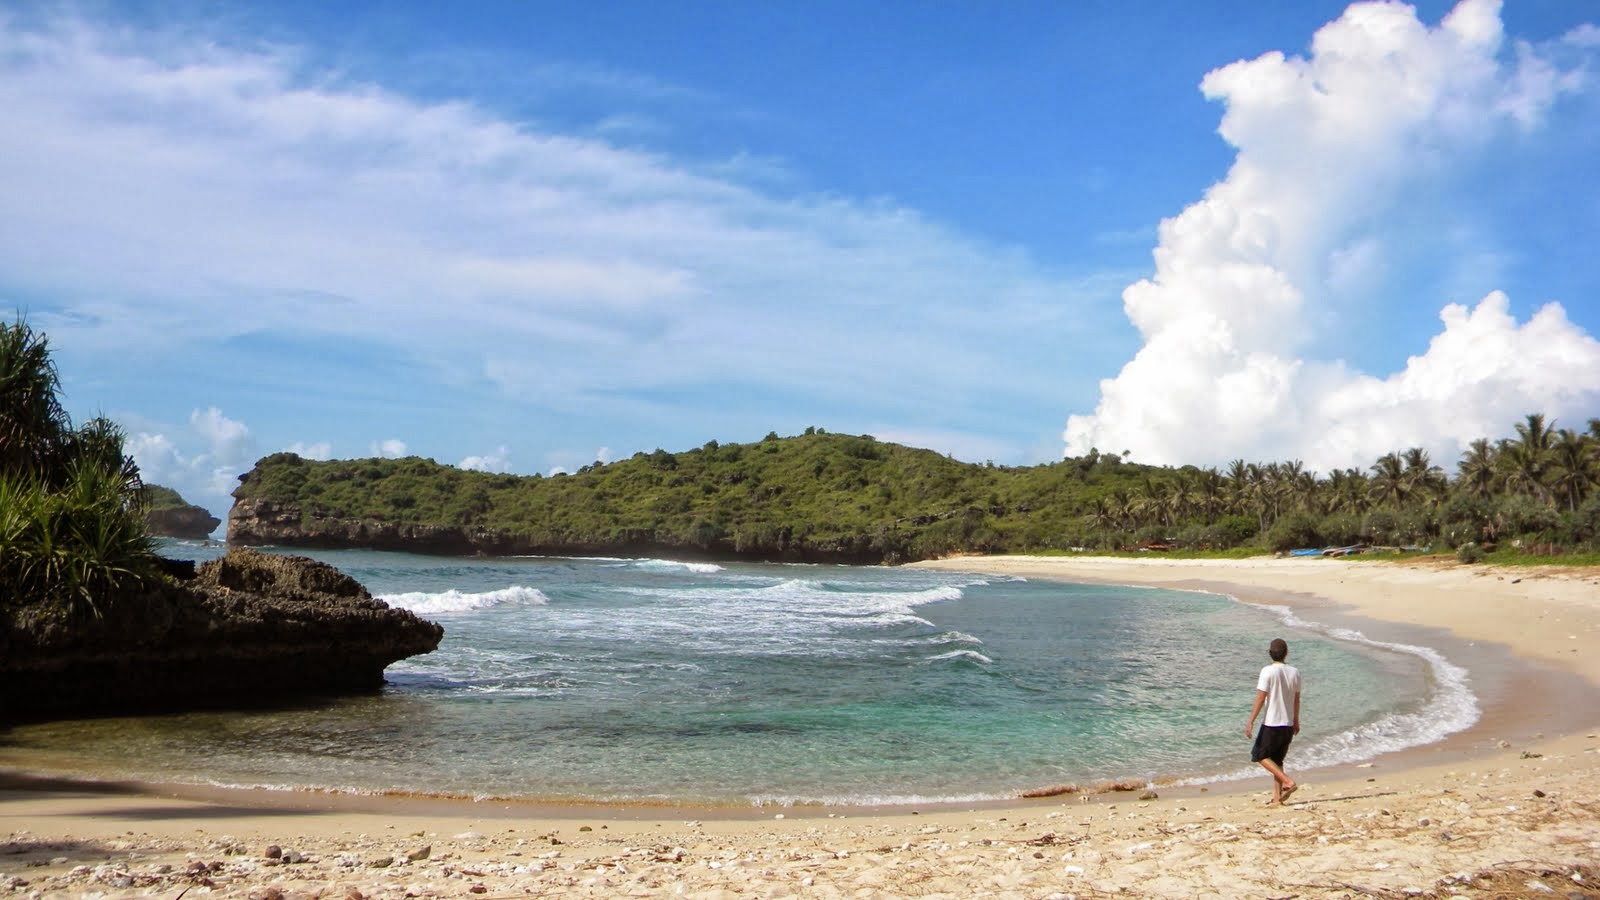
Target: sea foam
1452,708
453,601
670,565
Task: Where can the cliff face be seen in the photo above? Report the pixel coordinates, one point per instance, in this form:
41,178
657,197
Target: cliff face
261,522
243,630
253,522
189,522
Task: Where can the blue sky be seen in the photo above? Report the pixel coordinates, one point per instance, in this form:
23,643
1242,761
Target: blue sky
525,236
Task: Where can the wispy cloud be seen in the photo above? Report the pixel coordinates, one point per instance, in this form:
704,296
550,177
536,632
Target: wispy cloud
172,191
1251,277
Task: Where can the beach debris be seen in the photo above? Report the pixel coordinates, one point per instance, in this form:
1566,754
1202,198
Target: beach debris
1149,795
1528,754
382,862
421,853
469,836
585,828
273,851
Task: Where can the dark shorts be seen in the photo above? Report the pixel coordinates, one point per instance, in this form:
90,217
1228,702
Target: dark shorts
1272,742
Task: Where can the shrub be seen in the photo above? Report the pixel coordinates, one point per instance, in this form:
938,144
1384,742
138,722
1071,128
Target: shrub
1235,530
71,503
1293,532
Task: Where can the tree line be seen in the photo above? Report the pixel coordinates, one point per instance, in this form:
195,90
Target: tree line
1540,487
852,498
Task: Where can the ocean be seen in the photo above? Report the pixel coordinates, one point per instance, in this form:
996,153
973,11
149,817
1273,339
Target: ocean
653,681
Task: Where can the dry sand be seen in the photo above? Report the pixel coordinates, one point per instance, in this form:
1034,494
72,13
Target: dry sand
1509,808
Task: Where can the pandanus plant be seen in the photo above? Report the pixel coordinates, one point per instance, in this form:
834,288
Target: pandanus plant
72,532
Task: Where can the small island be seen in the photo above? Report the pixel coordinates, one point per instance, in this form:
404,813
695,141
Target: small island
167,514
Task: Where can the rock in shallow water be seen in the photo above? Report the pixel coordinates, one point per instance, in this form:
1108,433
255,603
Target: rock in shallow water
249,629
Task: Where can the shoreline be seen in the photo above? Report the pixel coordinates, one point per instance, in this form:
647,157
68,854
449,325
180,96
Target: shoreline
1524,661
1518,789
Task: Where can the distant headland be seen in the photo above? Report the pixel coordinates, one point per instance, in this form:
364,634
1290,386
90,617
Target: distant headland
821,497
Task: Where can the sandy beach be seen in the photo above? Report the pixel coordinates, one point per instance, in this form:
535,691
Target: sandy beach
1508,808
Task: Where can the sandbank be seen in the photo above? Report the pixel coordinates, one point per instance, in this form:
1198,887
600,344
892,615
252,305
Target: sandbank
1510,807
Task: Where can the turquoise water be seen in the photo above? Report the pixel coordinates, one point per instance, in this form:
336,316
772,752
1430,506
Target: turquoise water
650,680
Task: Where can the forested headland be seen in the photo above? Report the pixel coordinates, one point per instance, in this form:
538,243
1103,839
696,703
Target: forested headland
850,498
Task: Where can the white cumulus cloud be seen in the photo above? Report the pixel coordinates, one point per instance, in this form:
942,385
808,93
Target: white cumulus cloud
205,476
229,441
392,448
498,461
318,450
1246,277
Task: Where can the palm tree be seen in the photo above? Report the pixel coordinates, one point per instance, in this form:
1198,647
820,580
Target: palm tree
1100,517
1175,500
1207,495
1147,506
1424,480
1525,458
1389,485
1574,467
1349,489
1124,508
1478,471
1235,481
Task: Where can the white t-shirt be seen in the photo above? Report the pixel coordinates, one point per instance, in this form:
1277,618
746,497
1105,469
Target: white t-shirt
1281,681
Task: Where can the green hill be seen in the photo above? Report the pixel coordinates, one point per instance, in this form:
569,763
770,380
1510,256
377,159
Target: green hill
816,496
845,498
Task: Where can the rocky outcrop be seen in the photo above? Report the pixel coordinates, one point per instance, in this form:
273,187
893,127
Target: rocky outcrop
193,523
247,629
271,523
255,522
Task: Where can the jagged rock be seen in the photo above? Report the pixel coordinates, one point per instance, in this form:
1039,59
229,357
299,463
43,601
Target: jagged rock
256,522
247,629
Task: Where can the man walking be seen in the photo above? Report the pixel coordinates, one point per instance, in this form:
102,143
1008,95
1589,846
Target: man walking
1278,692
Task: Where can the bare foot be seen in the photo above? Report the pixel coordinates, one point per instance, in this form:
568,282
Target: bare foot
1284,797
